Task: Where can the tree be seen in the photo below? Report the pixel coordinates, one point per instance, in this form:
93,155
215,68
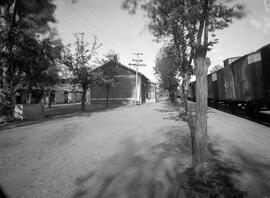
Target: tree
52,48
108,78
27,48
197,21
80,65
111,55
166,70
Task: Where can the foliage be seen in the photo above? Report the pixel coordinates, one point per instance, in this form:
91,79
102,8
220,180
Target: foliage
185,17
108,75
188,23
111,55
29,47
80,65
166,69
191,23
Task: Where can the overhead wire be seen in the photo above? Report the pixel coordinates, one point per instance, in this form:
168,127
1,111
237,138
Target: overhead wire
96,28
103,15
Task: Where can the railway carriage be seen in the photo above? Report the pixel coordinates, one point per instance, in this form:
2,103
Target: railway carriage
251,79
212,88
243,82
220,85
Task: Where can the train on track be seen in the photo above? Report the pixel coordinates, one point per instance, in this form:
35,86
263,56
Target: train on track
243,82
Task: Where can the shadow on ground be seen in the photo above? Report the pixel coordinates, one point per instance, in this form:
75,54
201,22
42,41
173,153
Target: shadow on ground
216,179
141,170
172,110
62,112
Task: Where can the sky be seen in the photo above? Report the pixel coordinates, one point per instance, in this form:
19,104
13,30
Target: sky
128,34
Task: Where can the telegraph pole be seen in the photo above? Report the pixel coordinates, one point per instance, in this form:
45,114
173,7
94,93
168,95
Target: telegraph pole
137,63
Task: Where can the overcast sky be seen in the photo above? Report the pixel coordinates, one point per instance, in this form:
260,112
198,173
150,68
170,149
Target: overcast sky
126,34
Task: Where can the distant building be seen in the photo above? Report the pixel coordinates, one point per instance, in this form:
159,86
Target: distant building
124,89
66,93
60,94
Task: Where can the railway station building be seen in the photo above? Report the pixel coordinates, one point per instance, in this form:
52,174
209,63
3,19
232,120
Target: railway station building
123,90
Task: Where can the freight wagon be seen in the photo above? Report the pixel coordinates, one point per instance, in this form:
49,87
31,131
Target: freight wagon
244,82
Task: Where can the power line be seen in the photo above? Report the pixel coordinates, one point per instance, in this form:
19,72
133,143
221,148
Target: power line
104,16
90,31
97,29
69,24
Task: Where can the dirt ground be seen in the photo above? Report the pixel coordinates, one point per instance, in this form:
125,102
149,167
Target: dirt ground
121,152
124,152
247,144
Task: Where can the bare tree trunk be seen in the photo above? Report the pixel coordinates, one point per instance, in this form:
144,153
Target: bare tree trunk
12,102
29,97
50,98
10,51
74,94
83,104
200,138
172,96
184,88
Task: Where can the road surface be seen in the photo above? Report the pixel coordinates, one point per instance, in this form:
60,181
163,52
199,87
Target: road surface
247,144
124,152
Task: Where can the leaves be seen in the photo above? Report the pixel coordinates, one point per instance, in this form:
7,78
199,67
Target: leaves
29,48
80,63
166,69
187,17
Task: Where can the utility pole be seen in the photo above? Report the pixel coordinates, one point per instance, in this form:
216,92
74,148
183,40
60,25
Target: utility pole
137,63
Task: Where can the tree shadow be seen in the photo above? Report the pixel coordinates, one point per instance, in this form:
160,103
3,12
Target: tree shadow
216,179
140,170
2,193
174,110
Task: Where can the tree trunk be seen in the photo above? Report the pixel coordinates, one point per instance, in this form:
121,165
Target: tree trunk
171,96
187,116
12,102
10,51
184,87
50,99
74,97
83,104
29,96
107,95
90,96
74,94
200,138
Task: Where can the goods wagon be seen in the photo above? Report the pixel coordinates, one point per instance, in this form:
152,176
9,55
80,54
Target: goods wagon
229,94
265,55
250,75
244,81
212,87
209,87
221,85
